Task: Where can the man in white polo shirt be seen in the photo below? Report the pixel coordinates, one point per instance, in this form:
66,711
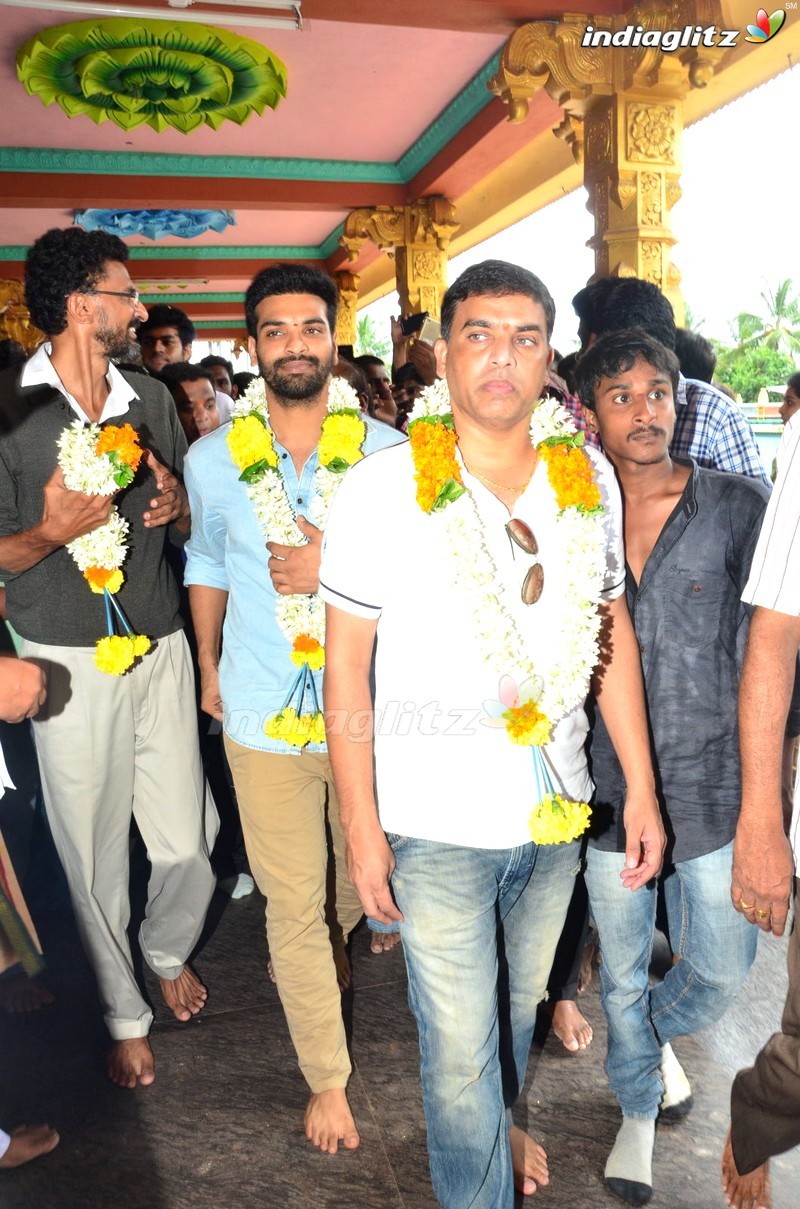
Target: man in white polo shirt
431,548
765,1100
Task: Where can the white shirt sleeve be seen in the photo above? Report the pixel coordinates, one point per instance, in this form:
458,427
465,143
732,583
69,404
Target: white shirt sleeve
5,783
774,581
614,584
352,573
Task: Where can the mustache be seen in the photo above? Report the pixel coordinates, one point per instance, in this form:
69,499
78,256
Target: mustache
652,429
315,361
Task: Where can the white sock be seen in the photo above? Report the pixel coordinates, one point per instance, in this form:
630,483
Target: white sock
629,1170
677,1087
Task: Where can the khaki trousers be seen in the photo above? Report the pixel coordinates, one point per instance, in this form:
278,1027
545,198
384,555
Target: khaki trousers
110,747
285,803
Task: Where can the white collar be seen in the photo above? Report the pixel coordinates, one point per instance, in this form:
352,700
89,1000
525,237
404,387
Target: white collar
40,371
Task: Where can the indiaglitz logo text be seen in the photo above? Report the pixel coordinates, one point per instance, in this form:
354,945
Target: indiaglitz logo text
669,40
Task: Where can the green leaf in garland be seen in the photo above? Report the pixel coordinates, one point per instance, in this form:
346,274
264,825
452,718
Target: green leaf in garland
255,472
449,492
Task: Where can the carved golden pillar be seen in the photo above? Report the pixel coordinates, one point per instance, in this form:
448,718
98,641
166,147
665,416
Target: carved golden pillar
418,236
347,285
623,107
15,321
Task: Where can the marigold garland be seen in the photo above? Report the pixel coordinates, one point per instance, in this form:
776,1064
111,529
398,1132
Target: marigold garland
301,619
101,461
526,724
557,820
530,716
571,477
118,652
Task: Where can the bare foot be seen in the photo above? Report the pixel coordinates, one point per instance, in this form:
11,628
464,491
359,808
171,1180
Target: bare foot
22,994
28,1142
570,1026
529,1162
344,973
131,1062
329,1121
750,1191
382,942
185,995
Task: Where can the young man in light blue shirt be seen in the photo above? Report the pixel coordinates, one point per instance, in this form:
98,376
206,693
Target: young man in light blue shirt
249,584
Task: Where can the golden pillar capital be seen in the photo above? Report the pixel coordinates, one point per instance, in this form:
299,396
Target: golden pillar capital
622,98
15,320
347,286
418,236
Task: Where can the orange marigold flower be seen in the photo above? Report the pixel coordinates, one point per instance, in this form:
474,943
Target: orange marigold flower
571,477
100,578
306,649
124,441
526,724
434,449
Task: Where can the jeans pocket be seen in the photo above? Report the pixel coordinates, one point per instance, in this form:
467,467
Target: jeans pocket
396,841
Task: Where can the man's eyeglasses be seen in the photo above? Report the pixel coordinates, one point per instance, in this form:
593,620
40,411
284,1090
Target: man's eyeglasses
523,536
131,295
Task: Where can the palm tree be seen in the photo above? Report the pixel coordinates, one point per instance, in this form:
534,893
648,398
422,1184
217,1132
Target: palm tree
778,328
692,322
368,340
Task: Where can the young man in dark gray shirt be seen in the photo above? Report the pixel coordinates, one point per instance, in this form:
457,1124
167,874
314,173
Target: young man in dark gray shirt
689,540
109,746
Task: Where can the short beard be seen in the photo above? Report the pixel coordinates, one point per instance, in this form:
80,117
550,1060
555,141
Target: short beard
116,345
295,390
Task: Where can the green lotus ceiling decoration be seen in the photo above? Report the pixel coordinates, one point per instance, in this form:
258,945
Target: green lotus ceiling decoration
138,72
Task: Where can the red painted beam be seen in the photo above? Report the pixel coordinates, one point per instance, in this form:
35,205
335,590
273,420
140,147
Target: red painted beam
45,190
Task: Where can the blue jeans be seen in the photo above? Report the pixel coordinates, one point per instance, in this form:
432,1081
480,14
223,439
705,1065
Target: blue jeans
715,946
479,932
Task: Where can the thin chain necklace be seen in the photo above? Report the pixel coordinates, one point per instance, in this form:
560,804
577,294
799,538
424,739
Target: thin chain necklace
501,486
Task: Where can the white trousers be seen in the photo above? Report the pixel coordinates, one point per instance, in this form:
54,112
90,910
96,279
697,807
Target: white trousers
112,747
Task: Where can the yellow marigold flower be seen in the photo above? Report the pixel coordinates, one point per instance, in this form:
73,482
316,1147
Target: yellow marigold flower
101,578
296,729
527,725
341,439
141,644
114,654
307,650
250,442
571,477
434,450
556,820
124,441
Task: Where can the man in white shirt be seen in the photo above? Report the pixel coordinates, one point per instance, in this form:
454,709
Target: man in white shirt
765,1100
481,906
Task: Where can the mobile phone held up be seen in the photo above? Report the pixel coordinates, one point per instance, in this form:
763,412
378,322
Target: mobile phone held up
410,324
422,326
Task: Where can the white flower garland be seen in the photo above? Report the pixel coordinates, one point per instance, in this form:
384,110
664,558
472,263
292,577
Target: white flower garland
84,471
295,615
581,537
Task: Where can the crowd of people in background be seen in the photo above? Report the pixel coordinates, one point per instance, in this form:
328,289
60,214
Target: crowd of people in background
597,532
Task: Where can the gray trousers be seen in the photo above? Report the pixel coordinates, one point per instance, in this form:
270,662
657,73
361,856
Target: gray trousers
765,1100
112,747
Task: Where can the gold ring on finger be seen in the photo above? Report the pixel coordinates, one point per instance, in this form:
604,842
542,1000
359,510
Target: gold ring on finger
746,906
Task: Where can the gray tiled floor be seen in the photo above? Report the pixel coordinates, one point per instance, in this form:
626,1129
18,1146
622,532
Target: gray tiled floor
221,1128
